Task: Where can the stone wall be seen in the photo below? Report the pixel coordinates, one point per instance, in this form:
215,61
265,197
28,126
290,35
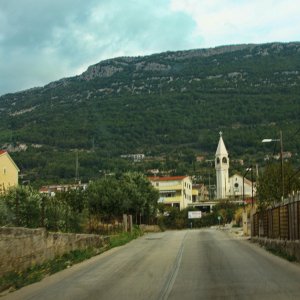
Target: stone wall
291,248
23,247
150,228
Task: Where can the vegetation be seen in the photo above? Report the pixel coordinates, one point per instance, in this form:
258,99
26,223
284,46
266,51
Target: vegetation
173,218
104,201
281,253
270,184
124,237
169,106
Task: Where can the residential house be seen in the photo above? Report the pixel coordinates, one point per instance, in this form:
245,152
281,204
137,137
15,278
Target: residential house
8,171
175,191
51,190
200,193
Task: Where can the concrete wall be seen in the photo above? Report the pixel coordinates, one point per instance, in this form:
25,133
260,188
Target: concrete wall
292,248
23,247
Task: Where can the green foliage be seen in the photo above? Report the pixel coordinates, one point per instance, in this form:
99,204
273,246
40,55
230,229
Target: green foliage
65,212
104,201
270,183
226,210
104,198
249,92
125,237
21,206
173,218
281,253
132,193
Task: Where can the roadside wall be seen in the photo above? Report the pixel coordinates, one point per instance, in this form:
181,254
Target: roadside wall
21,248
291,248
150,228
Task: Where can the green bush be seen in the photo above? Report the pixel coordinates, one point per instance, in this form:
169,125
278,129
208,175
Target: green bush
125,237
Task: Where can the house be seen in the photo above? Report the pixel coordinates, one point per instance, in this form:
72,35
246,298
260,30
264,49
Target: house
8,171
175,191
51,190
200,193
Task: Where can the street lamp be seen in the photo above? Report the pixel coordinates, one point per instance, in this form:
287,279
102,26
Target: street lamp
281,159
247,170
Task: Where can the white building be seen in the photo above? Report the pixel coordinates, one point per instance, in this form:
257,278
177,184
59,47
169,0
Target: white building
236,187
222,167
230,187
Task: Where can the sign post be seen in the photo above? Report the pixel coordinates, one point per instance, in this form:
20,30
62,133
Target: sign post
194,215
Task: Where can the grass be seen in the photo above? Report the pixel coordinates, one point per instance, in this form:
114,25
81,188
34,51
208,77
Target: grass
16,280
124,237
280,253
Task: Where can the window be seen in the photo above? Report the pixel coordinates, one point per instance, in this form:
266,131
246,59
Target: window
224,160
218,160
4,171
236,185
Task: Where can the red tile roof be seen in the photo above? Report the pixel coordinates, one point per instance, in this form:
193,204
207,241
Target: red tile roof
167,178
2,151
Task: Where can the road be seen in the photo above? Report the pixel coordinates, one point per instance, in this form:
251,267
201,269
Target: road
190,264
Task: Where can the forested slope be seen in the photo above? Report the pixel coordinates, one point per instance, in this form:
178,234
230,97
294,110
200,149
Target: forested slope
170,106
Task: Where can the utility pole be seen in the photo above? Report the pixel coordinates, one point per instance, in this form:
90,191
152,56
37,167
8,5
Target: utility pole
281,158
76,168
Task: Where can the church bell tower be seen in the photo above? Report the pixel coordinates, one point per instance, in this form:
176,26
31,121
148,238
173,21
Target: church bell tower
222,167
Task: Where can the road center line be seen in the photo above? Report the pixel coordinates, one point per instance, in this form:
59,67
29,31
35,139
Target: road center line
173,274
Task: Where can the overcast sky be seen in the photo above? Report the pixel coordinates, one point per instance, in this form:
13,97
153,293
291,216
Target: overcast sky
46,40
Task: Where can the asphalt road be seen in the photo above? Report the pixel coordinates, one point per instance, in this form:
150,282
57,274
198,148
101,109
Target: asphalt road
191,264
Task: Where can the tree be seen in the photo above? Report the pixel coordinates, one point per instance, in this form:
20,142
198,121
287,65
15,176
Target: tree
72,203
270,184
139,196
23,205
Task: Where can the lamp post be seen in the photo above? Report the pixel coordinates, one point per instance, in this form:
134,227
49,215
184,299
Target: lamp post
247,170
281,159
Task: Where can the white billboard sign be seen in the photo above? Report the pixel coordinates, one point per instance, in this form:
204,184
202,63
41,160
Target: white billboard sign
195,214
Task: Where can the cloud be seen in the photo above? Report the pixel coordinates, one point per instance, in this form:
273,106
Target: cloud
232,22
42,41
45,40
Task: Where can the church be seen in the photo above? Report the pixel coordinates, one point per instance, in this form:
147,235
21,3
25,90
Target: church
230,187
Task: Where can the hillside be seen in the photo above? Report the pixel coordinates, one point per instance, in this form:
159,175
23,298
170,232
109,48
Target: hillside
170,106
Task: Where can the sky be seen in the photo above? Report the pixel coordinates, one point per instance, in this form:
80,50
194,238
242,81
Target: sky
46,40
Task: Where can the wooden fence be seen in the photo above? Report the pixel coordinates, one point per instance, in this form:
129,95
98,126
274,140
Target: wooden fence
279,222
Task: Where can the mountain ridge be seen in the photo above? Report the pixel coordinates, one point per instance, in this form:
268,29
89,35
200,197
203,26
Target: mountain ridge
168,104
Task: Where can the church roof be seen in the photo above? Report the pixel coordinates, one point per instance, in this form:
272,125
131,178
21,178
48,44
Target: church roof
221,150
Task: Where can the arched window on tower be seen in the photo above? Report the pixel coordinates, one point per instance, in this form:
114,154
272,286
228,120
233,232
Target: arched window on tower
224,160
218,160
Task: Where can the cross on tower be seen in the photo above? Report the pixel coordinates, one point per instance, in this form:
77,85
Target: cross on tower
220,133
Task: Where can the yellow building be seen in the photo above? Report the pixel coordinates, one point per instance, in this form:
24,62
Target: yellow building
175,191
8,171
